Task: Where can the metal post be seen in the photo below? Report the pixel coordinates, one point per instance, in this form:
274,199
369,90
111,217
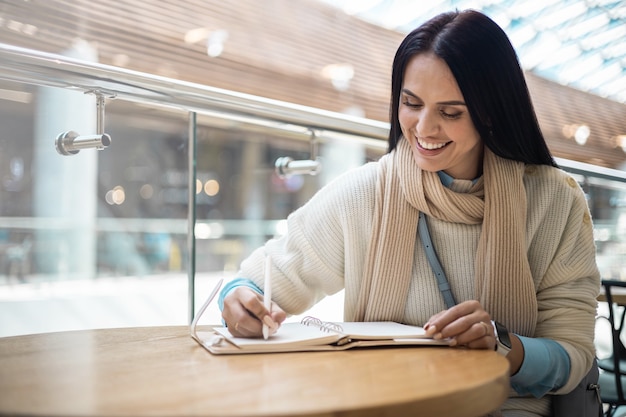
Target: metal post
191,215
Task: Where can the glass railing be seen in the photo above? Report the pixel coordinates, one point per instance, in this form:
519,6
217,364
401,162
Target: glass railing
135,233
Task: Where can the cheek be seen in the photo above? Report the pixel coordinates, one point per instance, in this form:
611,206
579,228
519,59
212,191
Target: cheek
463,133
406,119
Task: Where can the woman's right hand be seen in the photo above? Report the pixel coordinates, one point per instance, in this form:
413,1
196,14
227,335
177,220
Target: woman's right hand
245,314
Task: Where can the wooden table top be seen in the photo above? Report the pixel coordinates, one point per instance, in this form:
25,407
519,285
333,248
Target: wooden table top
160,371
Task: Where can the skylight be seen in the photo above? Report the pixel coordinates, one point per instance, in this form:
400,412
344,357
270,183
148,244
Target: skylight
579,43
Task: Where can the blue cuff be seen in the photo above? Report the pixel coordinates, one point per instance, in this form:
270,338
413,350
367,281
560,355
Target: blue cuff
545,368
231,285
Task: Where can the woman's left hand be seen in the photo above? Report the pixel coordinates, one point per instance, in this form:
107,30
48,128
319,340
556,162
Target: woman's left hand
467,324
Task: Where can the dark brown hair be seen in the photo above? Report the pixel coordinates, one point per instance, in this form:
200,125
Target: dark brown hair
487,70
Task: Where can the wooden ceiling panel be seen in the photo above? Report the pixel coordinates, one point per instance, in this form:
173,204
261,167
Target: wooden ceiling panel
277,49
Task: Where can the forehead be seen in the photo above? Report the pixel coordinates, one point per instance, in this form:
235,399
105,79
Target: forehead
428,73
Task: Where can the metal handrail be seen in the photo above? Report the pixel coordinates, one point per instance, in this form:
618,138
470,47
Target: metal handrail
583,168
51,70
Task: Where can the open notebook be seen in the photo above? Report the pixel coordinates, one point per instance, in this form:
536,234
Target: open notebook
311,334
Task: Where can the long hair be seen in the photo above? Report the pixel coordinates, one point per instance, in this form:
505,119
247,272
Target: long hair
486,68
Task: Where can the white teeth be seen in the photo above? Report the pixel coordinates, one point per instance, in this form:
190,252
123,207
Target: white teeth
431,146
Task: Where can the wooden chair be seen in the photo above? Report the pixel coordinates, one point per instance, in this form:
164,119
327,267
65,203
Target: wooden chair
613,369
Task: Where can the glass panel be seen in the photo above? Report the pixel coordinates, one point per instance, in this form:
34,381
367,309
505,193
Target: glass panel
242,201
607,200
95,239
99,238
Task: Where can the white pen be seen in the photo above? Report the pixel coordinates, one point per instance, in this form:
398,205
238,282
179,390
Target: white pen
267,293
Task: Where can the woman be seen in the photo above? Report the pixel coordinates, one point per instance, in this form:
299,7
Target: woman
511,230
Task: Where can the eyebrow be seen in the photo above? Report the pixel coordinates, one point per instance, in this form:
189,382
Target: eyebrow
445,103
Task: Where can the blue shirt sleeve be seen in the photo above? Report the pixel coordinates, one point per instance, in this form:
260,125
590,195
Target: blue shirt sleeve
231,285
545,367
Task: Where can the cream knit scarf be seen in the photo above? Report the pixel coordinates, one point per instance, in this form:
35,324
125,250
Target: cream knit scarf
504,284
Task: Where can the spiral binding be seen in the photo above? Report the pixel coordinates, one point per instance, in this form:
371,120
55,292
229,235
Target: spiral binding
325,326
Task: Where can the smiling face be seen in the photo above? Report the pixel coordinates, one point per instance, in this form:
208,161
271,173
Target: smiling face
435,120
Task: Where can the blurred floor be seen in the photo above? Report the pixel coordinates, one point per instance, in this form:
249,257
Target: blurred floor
27,308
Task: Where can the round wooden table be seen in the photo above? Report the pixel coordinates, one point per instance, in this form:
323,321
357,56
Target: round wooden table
162,371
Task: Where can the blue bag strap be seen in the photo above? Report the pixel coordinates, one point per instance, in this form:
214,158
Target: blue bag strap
442,281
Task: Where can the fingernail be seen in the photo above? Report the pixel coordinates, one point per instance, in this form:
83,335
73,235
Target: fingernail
426,326
453,342
438,336
431,330
269,322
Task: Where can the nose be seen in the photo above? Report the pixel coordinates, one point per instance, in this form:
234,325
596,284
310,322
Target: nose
427,124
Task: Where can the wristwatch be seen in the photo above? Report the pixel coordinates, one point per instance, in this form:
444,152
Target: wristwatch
503,341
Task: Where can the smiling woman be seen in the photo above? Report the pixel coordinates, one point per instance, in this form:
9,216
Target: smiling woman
512,231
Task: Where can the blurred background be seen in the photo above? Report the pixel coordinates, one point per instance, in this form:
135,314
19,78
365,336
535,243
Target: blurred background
201,98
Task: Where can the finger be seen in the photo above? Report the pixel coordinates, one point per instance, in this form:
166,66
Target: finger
456,320
437,322
240,320
245,313
479,336
254,304
468,325
445,317
278,314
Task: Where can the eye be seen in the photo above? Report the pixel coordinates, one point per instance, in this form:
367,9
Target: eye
451,116
408,103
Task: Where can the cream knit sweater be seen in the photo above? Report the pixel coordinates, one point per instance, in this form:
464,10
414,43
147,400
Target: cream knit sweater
325,249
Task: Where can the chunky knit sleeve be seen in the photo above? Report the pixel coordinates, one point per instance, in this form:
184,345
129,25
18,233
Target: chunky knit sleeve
326,236
562,254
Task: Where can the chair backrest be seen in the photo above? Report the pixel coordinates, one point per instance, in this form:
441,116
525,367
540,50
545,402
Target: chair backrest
619,351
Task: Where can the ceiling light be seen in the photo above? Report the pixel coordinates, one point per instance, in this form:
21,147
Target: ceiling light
214,39
215,43
580,133
620,142
339,74
120,60
196,35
